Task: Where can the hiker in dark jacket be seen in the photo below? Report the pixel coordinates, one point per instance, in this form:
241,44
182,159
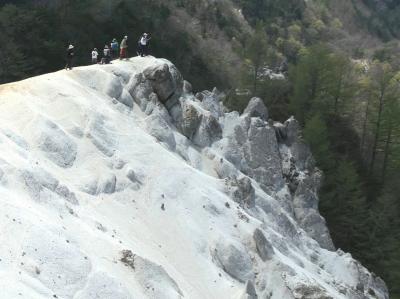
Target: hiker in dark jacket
114,48
70,57
144,45
106,55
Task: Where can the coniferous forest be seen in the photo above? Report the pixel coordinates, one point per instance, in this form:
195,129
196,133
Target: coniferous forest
342,82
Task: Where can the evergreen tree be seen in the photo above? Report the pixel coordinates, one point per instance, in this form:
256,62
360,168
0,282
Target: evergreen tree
316,134
310,82
256,52
345,208
383,89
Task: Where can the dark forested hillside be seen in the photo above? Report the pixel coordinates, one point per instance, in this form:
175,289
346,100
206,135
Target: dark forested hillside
384,19
35,34
340,61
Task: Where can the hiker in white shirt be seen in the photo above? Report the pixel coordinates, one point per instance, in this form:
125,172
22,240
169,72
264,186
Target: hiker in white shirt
144,45
95,54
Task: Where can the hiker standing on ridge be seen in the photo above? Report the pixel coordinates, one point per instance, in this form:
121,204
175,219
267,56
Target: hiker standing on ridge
114,48
95,54
144,44
124,48
106,55
70,57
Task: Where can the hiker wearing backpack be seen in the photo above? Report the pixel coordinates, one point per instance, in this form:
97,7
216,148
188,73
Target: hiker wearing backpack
114,48
144,45
95,54
124,48
70,57
106,55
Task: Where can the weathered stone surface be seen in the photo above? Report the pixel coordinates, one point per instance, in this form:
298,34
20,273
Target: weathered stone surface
211,101
191,119
292,130
104,183
101,285
241,191
57,145
187,87
257,108
151,276
64,192
261,153
234,261
302,156
126,99
159,128
177,77
208,132
310,292
264,247
305,203
161,81
101,135
250,291
140,89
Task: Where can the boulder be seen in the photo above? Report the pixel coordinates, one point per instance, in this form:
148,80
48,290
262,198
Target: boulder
191,119
261,153
234,261
264,247
105,183
211,101
208,132
241,191
150,275
162,81
140,89
305,204
257,108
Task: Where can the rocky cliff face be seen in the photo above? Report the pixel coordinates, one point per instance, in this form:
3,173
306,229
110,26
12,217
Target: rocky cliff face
118,181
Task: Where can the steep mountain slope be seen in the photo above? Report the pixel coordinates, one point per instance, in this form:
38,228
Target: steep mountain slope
117,182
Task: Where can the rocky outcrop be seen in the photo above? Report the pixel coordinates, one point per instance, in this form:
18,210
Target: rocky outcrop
241,191
272,154
234,260
244,149
161,81
264,247
250,291
215,204
303,180
257,108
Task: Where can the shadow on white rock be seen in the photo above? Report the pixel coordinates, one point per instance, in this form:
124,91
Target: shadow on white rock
104,183
155,281
56,145
38,181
